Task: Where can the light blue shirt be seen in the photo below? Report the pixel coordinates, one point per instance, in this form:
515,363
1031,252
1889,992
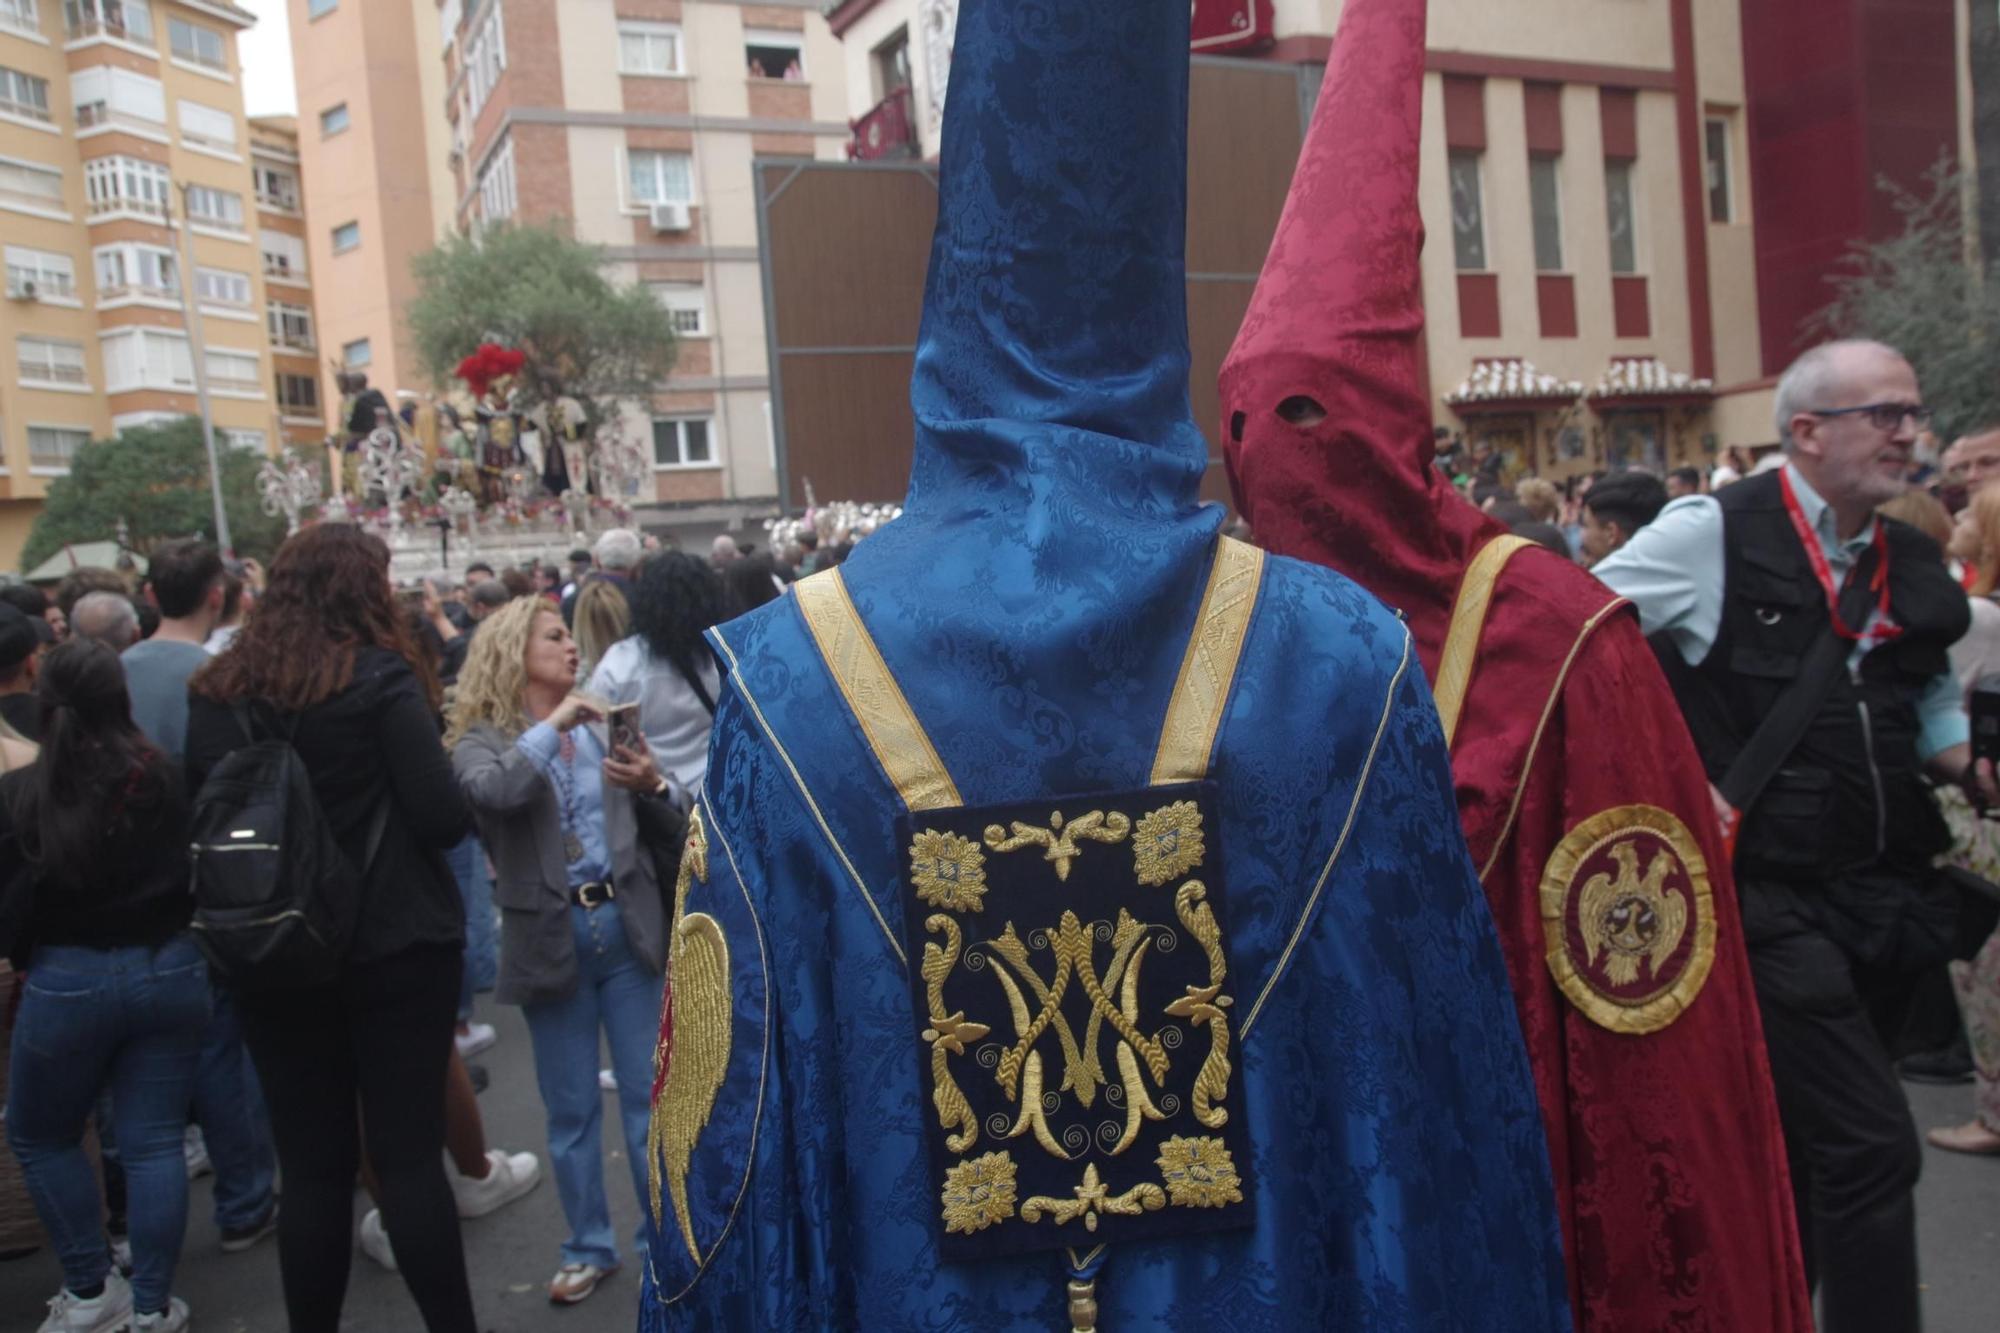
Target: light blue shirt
1672,570
579,790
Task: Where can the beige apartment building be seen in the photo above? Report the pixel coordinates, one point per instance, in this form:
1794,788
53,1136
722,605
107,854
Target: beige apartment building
631,122
1631,205
108,110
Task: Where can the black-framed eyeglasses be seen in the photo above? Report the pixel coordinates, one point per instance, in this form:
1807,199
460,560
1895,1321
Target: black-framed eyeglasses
1882,416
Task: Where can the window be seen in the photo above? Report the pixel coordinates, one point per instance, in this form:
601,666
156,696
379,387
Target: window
54,446
316,9
191,41
50,274
687,308
485,61
1545,201
103,95
277,187
356,354
145,358
31,184
496,185
333,120
1715,139
284,255
681,443
1468,213
1620,217
20,15
775,55
207,126
648,48
130,19
892,64
215,208
50,361
249,441
290,325
450,14
114,184
660,178
222,286
24,95
346,236
136,270
233,372
298,395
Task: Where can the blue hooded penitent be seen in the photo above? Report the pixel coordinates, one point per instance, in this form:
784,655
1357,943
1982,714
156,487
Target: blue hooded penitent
1075,927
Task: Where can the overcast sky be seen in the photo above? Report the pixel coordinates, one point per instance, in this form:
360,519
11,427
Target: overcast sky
266,52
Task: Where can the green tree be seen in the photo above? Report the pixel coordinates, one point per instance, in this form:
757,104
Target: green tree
1921,292
538,291
155,478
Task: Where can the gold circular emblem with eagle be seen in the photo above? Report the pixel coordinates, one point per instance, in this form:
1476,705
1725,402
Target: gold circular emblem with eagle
1628,918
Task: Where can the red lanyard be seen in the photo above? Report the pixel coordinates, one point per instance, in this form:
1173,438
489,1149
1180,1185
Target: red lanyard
1816,555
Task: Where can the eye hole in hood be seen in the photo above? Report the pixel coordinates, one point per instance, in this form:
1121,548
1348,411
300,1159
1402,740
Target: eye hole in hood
1301,410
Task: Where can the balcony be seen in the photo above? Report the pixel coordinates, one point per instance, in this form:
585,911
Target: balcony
294,342
119,203
887,130
144,290
285,271
25,110
44,373
94,114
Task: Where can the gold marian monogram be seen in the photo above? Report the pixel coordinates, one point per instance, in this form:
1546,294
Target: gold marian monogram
1631,917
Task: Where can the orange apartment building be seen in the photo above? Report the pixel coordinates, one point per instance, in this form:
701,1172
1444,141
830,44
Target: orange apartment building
1631,204
107,109
631,122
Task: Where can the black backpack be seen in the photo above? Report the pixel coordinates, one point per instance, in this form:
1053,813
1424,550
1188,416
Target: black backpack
275,897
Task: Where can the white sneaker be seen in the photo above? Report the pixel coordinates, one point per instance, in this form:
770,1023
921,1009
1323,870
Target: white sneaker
121,1255
195,1150
607,1080
476,1038
375,1240
106,1312
173,1319
508,1177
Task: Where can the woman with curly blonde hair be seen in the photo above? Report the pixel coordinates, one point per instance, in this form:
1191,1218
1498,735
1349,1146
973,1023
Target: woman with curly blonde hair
582,933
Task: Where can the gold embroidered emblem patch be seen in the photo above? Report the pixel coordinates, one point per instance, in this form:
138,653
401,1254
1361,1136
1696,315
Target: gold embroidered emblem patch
947,871
979,1193
1167,843
1199,1172
1076,1041
1628,918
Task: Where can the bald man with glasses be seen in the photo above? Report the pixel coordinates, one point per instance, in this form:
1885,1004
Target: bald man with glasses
1786,597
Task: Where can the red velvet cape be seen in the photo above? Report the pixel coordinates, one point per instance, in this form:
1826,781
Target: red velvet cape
1669,1165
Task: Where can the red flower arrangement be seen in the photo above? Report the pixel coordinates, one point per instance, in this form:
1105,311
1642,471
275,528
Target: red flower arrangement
489,363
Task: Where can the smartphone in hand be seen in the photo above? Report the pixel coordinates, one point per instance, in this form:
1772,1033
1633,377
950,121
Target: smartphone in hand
624,725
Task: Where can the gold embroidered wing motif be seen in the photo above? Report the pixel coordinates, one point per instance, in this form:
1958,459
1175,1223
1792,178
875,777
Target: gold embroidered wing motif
1206,1005
1094,1197
948,1035
697,1052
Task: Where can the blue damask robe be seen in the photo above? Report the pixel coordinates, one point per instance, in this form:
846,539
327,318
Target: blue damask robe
1034,607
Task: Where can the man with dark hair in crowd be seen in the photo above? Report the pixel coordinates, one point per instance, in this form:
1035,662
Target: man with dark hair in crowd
1617,507
477,572
485,599
21,640
1683,481
107,618
188,583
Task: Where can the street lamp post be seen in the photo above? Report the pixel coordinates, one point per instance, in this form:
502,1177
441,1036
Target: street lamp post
198,358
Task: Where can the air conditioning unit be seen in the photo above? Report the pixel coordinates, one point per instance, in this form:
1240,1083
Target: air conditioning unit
23,292
669,217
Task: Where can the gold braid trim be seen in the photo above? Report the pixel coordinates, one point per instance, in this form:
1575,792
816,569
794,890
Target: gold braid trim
1468,620
1074,941
1205,1004
1010,948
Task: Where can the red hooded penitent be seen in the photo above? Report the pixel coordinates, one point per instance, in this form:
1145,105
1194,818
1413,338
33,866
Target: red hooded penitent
1584,804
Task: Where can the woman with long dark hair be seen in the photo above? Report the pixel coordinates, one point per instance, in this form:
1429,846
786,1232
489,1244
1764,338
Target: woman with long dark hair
93,875
328,664
666,667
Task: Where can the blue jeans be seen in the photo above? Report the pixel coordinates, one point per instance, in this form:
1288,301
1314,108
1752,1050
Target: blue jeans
229,1104
132,1019
482,932
619,994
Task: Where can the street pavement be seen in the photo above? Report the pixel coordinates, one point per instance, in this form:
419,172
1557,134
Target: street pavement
512,1253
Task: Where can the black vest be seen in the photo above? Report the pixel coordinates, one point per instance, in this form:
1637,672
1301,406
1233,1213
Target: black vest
1851,793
